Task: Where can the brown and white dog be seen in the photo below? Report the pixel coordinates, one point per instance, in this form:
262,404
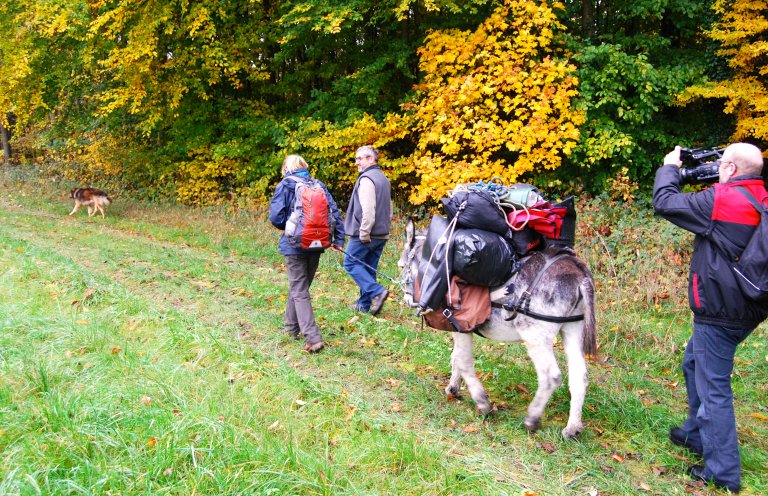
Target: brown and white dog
92,198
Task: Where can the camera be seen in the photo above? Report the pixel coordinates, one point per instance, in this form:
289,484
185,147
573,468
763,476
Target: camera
701,165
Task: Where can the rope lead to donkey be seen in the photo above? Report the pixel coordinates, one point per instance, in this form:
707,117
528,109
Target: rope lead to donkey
368,266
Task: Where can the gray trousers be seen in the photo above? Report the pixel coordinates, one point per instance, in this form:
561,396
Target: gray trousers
299,316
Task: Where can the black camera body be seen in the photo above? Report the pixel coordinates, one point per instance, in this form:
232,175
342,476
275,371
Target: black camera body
701,165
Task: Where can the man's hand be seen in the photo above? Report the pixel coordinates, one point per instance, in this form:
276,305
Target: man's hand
673,158
365,239
336,248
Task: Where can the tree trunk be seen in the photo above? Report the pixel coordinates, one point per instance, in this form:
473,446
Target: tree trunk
6,137
587,18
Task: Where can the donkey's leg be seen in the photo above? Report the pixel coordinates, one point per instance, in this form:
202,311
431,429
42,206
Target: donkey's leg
577,376
454,385
463,367
539,345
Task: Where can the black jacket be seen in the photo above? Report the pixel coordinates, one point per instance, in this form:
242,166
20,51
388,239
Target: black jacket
723,221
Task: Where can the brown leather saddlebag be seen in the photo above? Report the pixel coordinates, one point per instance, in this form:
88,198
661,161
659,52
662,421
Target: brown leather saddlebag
466,307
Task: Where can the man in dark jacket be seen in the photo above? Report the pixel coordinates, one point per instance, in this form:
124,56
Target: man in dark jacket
723,220
300,265
369,217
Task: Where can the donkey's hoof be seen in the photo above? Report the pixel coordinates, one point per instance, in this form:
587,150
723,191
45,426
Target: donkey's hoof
452,392
572,431
485,409
532,424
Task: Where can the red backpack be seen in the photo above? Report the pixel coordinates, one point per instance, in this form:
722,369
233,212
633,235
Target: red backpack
310,223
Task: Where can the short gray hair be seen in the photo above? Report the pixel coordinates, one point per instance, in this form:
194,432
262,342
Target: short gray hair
369,150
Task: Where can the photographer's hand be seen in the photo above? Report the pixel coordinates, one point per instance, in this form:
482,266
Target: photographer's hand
673,157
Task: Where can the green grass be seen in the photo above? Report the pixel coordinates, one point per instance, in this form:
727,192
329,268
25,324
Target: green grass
141,354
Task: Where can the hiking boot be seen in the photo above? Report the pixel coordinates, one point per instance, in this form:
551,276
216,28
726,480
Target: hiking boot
697,473
378,301
313,347
679,437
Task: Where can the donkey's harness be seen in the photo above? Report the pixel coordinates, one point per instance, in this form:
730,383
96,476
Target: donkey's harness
522,304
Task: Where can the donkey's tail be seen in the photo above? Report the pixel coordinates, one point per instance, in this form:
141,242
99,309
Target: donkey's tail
589,332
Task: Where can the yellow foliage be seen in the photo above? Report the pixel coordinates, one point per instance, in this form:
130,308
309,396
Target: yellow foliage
741,32
495,102
330,148
622,187
200,179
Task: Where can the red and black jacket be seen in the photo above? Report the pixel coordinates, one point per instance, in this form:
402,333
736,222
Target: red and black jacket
723,221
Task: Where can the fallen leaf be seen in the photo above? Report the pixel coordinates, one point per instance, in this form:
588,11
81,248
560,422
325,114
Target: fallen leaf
758,416
301,402
393,383
546,447
470,428
618,457
146,400
351,412
522,388
151,442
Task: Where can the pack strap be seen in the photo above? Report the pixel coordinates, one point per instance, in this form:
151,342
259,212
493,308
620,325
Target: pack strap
522,305
537,316
749,196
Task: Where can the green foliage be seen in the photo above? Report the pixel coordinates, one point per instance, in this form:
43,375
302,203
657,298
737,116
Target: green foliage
623,95
133,93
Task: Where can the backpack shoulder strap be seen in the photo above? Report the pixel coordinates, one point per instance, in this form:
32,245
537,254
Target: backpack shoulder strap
749,196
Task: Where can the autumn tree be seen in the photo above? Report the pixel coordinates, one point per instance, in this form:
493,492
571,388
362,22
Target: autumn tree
742,34
494,102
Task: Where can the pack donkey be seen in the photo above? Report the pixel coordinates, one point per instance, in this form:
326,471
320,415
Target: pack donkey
561,302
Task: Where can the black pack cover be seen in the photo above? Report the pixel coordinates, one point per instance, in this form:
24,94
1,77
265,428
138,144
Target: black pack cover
751,268
477,210
568,229
525,240
481,257
435,269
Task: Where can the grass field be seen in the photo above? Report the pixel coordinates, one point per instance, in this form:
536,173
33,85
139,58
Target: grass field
141,354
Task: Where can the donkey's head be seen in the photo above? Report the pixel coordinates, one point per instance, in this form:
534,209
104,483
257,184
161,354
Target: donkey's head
409,260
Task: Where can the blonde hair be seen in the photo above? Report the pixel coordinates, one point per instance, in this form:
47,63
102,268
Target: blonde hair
293,163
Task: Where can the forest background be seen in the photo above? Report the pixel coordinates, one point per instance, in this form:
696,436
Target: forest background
201,100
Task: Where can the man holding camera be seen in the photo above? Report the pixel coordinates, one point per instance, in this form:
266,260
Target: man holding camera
723,220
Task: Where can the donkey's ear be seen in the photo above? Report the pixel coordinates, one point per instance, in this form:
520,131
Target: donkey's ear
410,229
